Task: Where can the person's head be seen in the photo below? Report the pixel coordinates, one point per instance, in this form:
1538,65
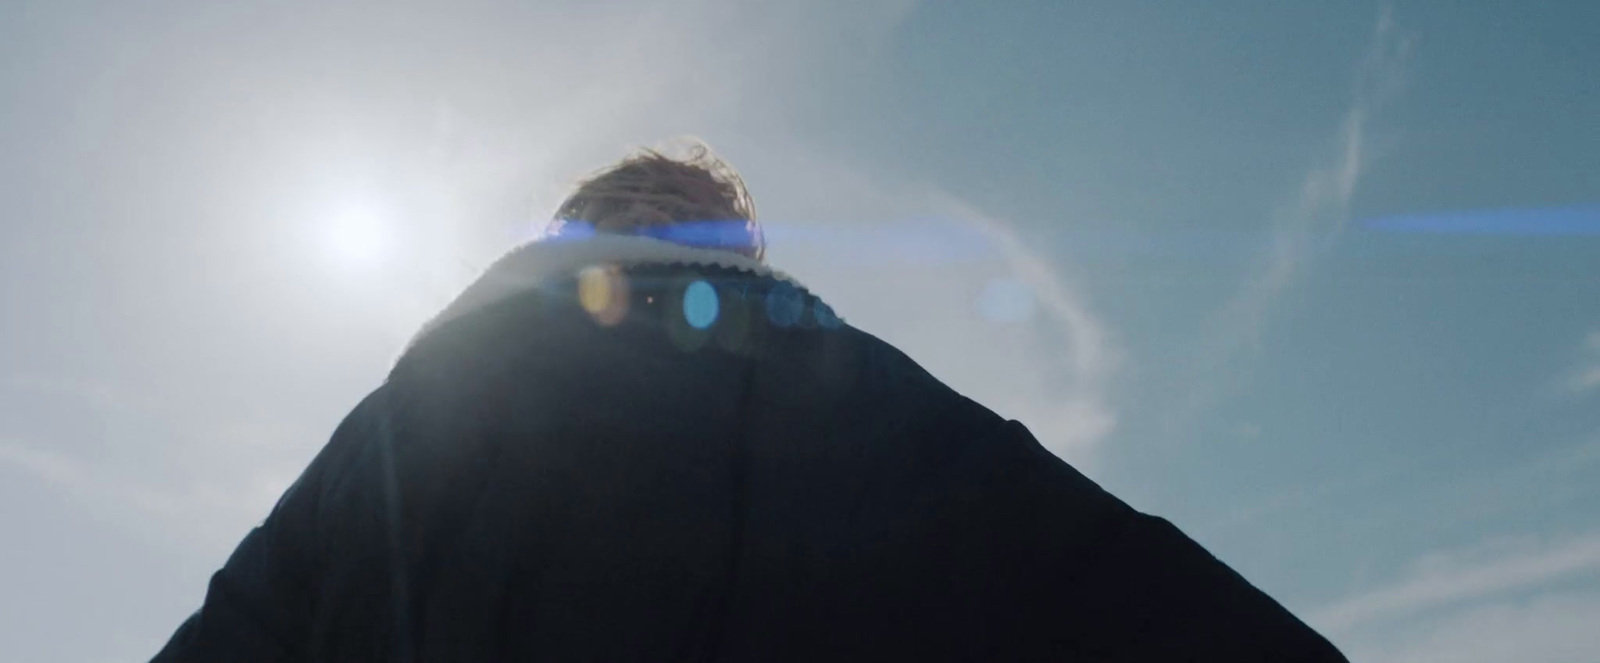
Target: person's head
696,200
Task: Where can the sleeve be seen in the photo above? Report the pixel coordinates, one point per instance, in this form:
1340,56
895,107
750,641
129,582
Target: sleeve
1166,598
259,606
1138,588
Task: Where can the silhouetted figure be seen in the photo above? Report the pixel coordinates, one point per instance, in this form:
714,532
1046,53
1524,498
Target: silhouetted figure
632,441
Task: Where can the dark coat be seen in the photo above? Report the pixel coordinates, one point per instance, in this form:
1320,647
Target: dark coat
530,484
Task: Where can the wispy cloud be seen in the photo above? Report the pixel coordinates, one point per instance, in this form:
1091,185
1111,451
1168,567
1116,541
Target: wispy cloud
1587,379
187,486
1555,627
1445,579
1322,207
1318,213
1587,375
101,487
1508,600
53,468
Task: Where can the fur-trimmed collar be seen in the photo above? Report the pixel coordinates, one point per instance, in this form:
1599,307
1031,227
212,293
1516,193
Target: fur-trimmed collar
529,265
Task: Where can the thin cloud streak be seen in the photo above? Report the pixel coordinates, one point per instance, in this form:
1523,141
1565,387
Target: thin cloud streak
1557,627
1317,217
1446,579
1323,206
1586,380
1587,376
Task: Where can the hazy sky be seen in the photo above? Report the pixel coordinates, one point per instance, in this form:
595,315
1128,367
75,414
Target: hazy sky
1319,282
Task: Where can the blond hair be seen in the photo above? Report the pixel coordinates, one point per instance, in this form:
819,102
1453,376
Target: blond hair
650,193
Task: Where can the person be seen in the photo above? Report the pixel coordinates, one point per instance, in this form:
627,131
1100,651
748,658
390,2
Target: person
632,440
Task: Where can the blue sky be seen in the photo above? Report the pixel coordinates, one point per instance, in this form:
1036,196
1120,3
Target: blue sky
1319,282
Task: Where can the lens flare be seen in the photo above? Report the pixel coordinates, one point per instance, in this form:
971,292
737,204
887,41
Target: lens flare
603,292
1006,301
700,306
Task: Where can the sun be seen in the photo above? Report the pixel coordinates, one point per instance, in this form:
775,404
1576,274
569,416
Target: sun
356,236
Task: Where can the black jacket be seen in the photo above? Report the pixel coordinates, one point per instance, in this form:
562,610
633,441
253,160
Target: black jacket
532,484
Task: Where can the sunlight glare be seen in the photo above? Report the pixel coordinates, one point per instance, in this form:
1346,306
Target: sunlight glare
356,236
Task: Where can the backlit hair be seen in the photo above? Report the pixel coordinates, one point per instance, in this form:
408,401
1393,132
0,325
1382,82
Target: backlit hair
697,199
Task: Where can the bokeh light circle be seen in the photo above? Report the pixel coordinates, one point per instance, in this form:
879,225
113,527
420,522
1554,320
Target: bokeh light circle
700,306
603,292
